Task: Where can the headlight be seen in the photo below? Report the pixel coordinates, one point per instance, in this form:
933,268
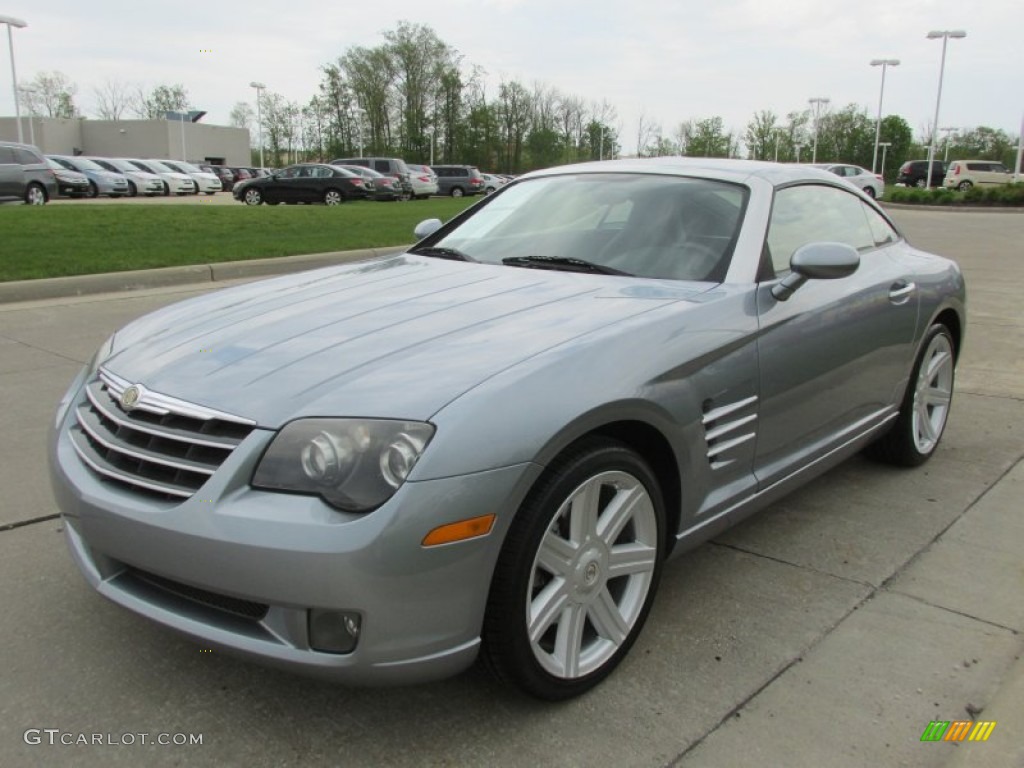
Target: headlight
85,375
105,350
353,464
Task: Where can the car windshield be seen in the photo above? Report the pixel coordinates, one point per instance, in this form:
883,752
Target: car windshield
159,167
86,165
645,225
55,165
188,167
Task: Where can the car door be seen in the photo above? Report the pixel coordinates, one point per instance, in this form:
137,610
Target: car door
834,357
11,182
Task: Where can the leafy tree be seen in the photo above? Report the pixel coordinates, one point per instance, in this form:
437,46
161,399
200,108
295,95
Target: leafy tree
161,100
709,139
762,135
50,94
514,114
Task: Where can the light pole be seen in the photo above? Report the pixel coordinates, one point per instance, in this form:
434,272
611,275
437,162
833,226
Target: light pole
948,130
816,102
10,21
798,147
362,113
31,116
778,135
945,34
430,133
884,145
883,63
260,87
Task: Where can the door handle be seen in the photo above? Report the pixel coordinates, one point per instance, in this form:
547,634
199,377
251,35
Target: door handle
900,291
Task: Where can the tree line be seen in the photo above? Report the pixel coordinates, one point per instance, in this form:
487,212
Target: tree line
414,97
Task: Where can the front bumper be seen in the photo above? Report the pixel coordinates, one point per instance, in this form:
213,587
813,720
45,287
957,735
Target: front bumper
421,608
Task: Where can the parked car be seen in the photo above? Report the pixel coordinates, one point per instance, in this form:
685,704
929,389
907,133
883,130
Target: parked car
490,444
388,166
175,182
458,180
225,174
303,183
871,183
241,174
423,180
206,182
69,183
101,180
964,174
914,173
492,182
139,181
25,174
379,186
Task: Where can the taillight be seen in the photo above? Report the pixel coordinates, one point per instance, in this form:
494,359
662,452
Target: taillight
425,179
357,182
879,177
476,181
956,170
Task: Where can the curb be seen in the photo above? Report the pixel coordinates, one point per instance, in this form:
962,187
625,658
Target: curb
113,282
954,208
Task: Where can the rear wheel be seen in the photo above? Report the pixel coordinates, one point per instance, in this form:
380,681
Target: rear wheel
457,192
916,433
963,186
921,183
870,192
577,573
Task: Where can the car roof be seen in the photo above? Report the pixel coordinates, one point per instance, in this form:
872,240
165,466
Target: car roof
722,169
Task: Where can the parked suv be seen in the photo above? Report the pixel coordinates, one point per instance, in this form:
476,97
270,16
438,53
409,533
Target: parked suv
388,166
964,174
458,180
24,174
914,173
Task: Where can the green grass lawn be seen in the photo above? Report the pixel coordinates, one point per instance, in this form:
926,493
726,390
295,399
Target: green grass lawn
59,240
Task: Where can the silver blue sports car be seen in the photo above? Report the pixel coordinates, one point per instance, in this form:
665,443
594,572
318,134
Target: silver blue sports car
488,445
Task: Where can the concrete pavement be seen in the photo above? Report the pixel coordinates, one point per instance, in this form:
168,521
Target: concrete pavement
830,629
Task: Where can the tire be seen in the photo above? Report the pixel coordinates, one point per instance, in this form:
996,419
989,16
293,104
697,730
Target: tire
93,192
167,189
333,197
921,183
35,195
252,197
457,192
925,410
554,572
133,191
211,193
963,186
870,192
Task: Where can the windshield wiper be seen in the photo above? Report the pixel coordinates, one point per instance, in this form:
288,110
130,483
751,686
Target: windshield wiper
452,254
563,263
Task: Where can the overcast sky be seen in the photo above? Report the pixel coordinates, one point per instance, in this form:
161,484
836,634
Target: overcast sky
669,60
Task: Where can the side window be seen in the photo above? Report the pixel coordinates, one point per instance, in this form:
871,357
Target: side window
811,213
6,155
27,157
381,166
881,230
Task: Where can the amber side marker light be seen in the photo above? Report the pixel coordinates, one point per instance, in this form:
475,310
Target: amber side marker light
460,531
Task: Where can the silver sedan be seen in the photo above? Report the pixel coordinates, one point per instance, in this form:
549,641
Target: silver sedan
489,445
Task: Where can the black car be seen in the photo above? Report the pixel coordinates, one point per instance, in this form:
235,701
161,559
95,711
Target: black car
303,183
914,173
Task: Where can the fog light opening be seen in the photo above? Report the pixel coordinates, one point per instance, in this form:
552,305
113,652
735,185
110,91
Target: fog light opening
334,631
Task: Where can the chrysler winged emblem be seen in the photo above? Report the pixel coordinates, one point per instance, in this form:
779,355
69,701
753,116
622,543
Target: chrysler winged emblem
131,396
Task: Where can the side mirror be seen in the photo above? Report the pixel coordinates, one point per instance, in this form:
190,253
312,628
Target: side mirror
426,227
817,261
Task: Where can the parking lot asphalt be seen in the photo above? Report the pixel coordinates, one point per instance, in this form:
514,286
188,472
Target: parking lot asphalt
828,630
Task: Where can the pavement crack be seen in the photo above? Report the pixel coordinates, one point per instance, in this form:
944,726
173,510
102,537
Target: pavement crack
801,566
23,523
947,609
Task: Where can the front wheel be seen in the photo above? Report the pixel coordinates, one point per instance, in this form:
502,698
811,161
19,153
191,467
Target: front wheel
252,197
133,191
333,197
916,433
35,195
94,191
577,573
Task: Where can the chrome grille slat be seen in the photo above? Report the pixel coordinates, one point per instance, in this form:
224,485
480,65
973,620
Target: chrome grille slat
161,446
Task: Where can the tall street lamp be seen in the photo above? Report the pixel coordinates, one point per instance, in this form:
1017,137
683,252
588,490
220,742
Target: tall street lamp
947,130
10,21
883,63
816,102
260,87
798,147
945,34
31,115
884,145
362,113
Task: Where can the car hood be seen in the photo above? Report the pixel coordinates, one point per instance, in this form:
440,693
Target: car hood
397,337
71,176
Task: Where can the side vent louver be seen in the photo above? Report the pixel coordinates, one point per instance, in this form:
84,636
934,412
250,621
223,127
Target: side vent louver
727,427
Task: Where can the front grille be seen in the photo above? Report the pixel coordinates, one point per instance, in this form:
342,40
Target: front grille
246,609
160,446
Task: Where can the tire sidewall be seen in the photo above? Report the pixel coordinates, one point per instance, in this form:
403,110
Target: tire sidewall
506,614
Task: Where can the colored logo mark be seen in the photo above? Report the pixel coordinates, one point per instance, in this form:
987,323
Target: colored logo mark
958,730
